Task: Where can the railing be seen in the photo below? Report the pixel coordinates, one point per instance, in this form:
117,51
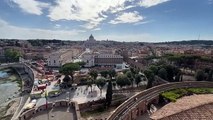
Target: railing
145,95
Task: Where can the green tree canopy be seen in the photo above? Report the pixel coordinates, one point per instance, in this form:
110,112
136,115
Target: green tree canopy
12,55
100,83
89,82
69,68
66,79
93,74
162,73
154,69
200,75
82,63
130,76
138,79
112,73
104,73
150,76
122,80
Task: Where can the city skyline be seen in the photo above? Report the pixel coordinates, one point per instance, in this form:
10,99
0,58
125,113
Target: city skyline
121,20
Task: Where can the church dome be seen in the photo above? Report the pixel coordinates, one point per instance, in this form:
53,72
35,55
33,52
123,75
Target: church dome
91,37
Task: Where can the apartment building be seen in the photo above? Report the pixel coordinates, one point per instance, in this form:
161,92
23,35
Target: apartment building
100,59
108,59
59,58
89,59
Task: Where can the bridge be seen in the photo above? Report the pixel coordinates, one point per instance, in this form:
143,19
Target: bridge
24,66
26,74
137,105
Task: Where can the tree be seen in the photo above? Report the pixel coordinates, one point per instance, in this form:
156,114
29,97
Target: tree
210,76
200,75
171,72
124,71
12,55
81,63
109,94
122,80
69,68
137,79
134,71
89,83
154,69
162,73
130,75
93,74
112,73
100,83
66,79
104,73
178,77
150,76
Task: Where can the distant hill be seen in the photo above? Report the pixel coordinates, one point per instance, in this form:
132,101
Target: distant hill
189,42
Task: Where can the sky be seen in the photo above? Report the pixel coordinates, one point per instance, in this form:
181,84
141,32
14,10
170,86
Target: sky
120,20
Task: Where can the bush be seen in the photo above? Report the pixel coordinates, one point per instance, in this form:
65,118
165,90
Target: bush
173,95
170,96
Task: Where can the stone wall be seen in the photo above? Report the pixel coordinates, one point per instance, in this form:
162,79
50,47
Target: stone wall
29,113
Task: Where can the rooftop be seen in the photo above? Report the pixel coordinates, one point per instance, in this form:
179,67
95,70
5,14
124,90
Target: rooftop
183,104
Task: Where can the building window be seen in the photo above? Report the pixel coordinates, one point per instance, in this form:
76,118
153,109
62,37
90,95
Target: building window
54,61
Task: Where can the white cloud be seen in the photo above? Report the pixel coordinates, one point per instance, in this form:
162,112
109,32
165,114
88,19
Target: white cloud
128,17
57,26
150,3
10,31
143,22
31,6
91,11
96,29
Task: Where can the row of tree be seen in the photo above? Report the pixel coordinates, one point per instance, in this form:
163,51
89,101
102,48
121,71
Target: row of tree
186,61
69,69
167,72
204,75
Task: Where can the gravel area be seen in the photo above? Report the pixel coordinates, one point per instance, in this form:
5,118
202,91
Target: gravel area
182,104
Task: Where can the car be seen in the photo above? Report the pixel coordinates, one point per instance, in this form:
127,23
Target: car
56,94
33,101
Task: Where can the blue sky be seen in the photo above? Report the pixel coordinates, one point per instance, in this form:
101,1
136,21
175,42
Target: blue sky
122,20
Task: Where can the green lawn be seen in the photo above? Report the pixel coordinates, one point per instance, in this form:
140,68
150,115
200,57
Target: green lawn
173,95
